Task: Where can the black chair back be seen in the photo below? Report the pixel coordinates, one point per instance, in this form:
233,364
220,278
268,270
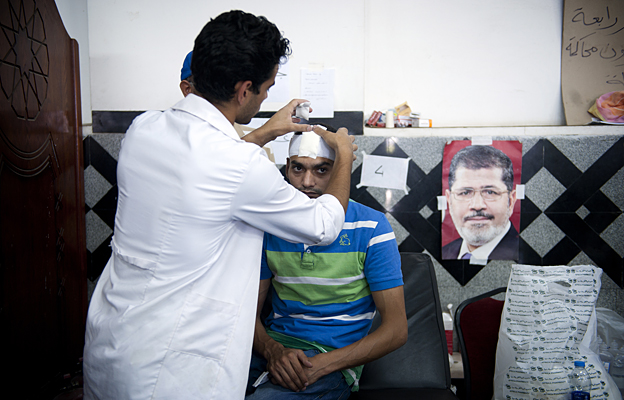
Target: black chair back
420,368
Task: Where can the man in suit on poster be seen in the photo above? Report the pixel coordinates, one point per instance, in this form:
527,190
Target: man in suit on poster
481,200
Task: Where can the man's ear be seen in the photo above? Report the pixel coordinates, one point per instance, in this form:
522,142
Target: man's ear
186,87
512,199
447,194
242,91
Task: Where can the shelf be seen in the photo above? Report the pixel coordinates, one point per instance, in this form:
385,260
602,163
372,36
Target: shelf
512,131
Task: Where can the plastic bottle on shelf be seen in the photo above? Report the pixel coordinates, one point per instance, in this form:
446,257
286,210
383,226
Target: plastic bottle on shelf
605,354
390,118
617,368
580,383
448,328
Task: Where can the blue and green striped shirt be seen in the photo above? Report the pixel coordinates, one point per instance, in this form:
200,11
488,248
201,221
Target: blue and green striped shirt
323,293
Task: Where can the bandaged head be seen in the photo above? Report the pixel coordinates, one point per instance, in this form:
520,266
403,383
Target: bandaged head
309,144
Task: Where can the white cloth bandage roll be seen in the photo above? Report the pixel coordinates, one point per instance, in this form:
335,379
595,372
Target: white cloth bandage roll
309,144
303,111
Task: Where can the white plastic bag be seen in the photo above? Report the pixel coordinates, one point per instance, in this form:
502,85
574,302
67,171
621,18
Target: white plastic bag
548,322
611,333
610,326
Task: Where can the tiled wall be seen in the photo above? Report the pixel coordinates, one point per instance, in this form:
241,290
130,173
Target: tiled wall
572,212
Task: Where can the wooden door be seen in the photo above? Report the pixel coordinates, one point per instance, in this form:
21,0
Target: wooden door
43,293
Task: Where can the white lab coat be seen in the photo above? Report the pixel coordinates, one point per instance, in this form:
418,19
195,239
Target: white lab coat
172,316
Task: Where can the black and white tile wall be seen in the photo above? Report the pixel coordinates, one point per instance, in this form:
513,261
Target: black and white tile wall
572,212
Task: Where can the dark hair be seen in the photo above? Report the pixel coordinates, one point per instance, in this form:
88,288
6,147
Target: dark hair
477,157
235,46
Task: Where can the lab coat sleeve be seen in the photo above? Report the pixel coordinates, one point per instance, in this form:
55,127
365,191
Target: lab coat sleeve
267,202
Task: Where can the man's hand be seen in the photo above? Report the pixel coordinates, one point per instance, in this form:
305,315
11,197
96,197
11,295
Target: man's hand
339,141
319,367
339,184
287,367
281,123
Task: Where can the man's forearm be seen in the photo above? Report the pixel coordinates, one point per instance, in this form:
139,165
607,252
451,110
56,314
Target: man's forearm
285,365
262,340
367,349
391,334
263,343
339,184
259,136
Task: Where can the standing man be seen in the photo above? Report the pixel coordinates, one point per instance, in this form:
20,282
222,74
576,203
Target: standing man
324,298
481,199
173,313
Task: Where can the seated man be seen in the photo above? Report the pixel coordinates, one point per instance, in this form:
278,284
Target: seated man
324,299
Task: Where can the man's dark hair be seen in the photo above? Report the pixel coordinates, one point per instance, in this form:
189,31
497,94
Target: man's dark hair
477,157
235,46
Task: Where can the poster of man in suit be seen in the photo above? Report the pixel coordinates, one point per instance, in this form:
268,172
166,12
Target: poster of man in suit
482,219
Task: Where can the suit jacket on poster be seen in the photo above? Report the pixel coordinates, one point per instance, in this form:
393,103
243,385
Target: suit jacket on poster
507,249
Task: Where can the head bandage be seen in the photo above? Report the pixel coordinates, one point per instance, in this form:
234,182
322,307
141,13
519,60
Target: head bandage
309,144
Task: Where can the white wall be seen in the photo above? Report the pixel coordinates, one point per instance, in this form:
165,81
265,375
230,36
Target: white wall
467,63
137,47
74,16
460,63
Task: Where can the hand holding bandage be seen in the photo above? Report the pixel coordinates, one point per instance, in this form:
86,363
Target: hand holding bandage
281,123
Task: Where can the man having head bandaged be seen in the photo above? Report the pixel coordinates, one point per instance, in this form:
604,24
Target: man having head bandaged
315,337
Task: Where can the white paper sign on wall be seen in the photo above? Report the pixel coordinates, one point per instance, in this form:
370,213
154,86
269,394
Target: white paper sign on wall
384,172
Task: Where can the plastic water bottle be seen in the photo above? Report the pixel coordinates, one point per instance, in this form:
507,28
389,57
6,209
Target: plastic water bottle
390,118
448,328
580,383
605,356
617,369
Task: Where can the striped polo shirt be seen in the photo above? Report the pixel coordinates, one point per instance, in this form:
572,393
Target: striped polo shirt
323,293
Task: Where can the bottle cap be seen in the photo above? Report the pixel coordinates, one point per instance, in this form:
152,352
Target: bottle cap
579,364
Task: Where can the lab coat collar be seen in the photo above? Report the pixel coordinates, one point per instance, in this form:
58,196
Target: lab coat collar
202,108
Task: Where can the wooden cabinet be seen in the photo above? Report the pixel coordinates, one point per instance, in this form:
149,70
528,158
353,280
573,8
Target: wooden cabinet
43,292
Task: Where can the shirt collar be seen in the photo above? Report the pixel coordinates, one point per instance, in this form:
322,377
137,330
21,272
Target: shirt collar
203,109
483,252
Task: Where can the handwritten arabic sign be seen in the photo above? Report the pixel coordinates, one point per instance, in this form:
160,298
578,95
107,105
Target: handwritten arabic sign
592,54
